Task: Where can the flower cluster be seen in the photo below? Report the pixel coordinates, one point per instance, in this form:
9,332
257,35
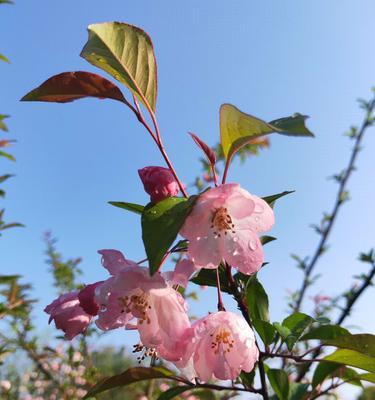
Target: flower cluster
221,229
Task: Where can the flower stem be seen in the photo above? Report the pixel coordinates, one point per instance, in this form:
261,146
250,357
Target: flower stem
220,303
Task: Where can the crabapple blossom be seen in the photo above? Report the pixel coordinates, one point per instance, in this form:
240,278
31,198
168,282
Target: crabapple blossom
184,269
223,226
159,310
223,344
68,315
158,182
86,298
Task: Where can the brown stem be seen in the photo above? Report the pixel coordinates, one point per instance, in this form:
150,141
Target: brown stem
244,310
220,303
157,138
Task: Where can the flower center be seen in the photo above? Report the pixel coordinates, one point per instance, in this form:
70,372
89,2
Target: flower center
221,221
222,339
145,352
138,305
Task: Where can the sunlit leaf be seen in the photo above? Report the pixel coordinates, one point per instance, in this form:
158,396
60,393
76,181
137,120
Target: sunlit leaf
7,155
238,128
352,358
126,53
280,383
364,343
367,377
161,223
135,208
3,58
3,127
130,376
70,86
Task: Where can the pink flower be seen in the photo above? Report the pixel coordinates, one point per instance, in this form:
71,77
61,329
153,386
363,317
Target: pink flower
86,298
184,269
68,315
159,310
223,226
222,346
158,182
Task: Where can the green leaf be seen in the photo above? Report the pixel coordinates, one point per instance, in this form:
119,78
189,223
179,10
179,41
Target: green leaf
247,378
3,58
272,199
3,178
292,126
352,358
367,377
3,127
126,53
132,375
280,383
298,391
326,332
135,208
283,331
238,128
257,300
8,278
266,239
297,323
173,392
364,343
207,277
322,371
70,86
7,155
265,330
161,223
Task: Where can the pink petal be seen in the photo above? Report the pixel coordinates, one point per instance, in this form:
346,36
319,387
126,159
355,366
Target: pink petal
183,271
113,260
262,218
244,251
205,251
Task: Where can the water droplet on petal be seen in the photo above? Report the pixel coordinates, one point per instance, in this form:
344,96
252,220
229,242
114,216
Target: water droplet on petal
256,219
198,238
253,244
258,208
235,239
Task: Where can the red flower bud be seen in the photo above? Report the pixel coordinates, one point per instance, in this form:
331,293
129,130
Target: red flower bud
158,182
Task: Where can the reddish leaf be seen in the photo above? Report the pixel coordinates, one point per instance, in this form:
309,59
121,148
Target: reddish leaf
70,86
210,154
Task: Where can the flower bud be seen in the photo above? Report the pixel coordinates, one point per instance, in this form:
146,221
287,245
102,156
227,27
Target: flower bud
158,182
86,298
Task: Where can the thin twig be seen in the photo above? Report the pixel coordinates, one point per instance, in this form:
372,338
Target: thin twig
338,203
350,302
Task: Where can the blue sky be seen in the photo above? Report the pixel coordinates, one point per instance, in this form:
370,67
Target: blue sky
269,58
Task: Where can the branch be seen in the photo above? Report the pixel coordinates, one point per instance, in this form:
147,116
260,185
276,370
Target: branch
243,308
344,314
350,301
367,122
